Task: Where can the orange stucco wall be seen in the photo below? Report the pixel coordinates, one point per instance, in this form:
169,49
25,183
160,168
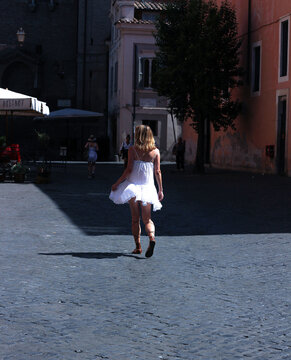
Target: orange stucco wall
245,148
190,137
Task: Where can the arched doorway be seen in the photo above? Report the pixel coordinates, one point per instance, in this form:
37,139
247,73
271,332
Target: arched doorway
18,77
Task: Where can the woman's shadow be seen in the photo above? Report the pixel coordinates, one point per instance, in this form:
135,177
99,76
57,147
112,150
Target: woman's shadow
94,255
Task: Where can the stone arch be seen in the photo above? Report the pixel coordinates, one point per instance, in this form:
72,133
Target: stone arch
18,77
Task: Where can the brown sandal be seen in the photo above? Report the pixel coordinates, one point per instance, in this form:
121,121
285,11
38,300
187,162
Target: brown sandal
137,251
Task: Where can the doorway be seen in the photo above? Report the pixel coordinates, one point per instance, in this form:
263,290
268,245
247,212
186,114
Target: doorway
281,134
18,77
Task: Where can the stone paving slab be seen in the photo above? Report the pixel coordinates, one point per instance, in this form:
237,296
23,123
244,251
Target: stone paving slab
68,293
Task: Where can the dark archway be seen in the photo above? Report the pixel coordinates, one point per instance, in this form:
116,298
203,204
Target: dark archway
19,77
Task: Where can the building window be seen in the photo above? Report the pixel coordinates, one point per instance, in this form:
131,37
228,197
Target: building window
147,67
115,76
284,49
153,124
112,32
150,15
256,67
111,80
146,73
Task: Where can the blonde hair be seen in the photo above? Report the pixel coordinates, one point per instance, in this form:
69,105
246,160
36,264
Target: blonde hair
144,138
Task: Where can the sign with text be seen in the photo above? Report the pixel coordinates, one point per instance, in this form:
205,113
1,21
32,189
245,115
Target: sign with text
15,104
148,102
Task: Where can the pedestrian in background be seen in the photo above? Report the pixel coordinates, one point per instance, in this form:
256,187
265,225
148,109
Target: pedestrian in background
92,148
136,186
123,152
179,151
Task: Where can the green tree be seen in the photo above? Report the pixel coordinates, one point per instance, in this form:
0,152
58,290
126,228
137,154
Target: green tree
198,65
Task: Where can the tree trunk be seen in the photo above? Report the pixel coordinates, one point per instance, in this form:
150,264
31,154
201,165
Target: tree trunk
200,155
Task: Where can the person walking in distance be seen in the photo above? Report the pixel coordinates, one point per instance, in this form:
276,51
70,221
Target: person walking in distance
179,151
124,150
92,148
136,186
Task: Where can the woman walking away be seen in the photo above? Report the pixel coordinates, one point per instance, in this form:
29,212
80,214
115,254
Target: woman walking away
92,147
136,186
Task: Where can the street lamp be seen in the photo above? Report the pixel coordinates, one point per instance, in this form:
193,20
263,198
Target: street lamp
20,36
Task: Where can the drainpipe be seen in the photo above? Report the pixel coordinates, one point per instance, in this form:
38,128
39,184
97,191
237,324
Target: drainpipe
249,41
84,53
134,90
174,131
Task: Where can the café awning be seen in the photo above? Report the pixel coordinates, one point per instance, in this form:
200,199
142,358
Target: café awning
20,104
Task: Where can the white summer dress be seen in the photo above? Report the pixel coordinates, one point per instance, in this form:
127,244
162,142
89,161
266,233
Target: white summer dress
140,184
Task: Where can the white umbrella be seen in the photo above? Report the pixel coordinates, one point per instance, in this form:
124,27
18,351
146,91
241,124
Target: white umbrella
13,103
20,104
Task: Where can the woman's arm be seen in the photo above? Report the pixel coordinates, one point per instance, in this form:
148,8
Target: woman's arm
97,147
126,172
158,175
86,145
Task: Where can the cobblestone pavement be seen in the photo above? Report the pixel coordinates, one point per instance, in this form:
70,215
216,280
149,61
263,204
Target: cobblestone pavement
217,287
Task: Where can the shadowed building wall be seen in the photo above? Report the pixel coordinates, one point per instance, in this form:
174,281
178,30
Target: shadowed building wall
63,60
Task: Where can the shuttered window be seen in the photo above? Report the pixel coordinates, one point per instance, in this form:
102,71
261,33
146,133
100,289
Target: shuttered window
146,72
257,68
284,41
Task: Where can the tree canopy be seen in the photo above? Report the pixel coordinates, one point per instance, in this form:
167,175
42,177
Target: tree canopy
198,62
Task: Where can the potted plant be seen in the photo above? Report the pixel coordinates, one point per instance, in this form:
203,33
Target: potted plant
43,140
43,173
2,142
19,172
2,175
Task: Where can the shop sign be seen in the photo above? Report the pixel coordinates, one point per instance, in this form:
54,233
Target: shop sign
15,104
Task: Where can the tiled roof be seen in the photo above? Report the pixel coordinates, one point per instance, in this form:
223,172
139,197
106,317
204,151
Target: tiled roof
134,21
150,5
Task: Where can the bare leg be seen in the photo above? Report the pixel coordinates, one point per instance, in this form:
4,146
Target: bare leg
125,163
149,228
135,224
93,170
89,169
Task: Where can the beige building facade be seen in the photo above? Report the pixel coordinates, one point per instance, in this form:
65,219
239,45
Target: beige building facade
132,99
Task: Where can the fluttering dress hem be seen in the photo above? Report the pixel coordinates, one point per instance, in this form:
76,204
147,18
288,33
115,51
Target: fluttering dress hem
126,191
139,185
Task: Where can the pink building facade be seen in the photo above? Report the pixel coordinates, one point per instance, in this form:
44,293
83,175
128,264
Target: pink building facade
262,141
